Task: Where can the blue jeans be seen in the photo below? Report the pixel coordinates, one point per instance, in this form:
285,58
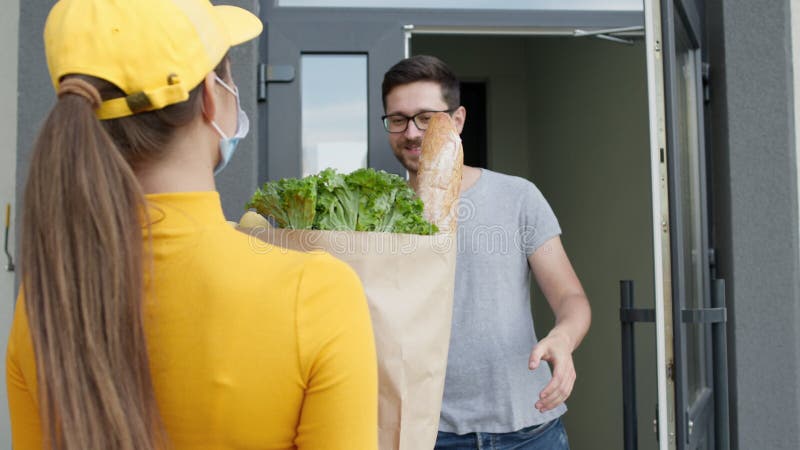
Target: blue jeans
547,436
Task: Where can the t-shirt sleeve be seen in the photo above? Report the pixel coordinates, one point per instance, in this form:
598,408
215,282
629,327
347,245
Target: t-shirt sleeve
337,358
26,432
538,221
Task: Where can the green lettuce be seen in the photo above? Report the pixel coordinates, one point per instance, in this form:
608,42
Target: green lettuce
290,202
337,204
364,200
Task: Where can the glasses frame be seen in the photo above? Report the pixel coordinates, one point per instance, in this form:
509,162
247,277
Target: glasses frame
409,119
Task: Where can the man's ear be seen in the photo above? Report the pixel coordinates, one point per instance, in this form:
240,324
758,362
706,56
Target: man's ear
459,117
209,102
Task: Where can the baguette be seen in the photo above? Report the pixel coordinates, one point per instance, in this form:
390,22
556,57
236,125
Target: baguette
439,172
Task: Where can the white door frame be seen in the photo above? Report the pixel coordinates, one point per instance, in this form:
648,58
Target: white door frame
661,224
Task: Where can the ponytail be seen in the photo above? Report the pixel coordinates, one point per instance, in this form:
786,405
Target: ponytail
82,251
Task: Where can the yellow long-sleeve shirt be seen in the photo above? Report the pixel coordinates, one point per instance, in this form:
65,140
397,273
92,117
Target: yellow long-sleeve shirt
251,346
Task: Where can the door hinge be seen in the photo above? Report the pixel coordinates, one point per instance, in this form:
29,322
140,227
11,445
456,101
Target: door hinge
268,73
712,258
706,69
655,422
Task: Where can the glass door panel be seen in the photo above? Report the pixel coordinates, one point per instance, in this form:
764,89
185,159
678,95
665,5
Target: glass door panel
696,288
333,89
693,369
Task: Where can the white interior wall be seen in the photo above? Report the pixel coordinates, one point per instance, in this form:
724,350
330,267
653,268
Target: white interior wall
9,27
589,155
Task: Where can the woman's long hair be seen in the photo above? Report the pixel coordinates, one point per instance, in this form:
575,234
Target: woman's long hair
83,257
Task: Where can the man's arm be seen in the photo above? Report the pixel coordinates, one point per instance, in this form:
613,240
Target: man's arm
561,287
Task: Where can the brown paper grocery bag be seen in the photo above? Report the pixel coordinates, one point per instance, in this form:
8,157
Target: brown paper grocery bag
408,281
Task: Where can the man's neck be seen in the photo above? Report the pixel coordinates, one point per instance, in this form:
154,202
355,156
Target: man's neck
412,181
469,176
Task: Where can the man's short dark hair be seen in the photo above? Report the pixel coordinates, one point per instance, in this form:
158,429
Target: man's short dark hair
423,68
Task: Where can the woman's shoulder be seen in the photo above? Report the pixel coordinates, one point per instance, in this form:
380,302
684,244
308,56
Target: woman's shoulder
275,258
325,274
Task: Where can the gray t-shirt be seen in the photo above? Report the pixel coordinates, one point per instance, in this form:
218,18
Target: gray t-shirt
488,387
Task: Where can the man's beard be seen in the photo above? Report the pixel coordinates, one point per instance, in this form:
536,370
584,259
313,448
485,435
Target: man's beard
410,162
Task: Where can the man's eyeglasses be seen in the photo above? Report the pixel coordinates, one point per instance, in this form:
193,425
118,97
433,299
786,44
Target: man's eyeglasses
398,123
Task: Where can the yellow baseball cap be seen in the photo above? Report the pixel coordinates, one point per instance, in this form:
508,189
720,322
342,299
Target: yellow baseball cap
156,51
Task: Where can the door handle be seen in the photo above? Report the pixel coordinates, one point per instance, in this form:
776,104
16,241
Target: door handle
10,260
628,316
719,339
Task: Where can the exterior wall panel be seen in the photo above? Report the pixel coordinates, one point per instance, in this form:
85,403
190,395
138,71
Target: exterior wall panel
756,216
9,29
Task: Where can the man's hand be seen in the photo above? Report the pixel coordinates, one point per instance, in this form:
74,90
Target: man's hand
564,293
557,350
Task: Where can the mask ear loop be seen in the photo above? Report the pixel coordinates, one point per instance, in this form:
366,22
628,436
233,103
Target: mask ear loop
239,119
203,110
218,129
234,91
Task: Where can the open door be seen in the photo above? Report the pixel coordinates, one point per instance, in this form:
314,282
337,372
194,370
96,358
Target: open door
692,304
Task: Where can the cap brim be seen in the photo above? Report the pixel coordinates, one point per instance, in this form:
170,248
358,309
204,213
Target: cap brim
242,25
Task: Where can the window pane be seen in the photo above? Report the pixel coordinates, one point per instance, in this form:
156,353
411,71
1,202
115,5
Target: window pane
696,289
566,5
334,112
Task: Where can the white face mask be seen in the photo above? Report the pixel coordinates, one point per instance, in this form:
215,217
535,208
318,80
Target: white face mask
227,145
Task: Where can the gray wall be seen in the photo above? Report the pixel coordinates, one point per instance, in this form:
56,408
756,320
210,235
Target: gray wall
9,29
571,115
795,10
756,211
239,180
794,57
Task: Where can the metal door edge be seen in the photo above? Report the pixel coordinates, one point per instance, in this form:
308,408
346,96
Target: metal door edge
661,225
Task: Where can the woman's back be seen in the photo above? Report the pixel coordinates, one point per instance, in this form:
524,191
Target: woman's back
241,337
